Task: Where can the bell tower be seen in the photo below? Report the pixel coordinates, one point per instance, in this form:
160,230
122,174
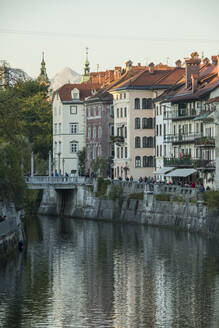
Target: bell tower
86,76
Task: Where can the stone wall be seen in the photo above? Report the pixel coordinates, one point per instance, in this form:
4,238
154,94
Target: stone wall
11,230
82,203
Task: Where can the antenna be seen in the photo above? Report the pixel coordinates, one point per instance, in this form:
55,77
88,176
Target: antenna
167,60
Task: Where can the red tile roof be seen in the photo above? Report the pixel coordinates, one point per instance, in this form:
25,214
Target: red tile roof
85,89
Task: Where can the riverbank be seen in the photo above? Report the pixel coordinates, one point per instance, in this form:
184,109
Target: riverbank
11,229
161,206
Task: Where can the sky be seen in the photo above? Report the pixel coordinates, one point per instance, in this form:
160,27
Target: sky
114,31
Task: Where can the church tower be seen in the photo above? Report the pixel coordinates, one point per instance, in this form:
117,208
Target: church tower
43,78
86,76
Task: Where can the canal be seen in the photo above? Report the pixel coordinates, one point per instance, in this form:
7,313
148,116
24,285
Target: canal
76,273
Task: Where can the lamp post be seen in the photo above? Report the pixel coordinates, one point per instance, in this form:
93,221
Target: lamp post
32,164
50,163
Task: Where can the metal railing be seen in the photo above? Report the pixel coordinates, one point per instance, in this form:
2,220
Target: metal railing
187,161
181,138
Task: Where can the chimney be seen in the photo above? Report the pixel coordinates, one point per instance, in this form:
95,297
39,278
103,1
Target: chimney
151,68
194,82
128,65
178,63
192,67
214,59
206,61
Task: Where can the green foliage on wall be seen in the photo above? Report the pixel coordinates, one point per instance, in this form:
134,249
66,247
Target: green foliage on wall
102,187
211,199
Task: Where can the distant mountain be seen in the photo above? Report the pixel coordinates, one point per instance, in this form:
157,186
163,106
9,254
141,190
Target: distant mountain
64,76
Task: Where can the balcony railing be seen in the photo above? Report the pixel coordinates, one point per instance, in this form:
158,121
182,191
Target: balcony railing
180,114
181,138
188,161
205,141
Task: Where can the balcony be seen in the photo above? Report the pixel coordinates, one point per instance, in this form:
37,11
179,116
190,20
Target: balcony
181,138
180,114
205,142
187,161
118,140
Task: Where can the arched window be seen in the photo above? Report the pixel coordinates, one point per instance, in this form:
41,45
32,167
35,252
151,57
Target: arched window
137,142
150,142
144,144
137,161
137,123
73,147
94,132
99,132
144,103
144,123
137,103
145,161
150,123
150,161
149,103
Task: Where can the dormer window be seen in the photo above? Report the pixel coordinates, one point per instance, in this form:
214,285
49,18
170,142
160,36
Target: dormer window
75,94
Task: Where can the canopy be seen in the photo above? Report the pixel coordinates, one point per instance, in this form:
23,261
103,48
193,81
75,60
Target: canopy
181,173
163,170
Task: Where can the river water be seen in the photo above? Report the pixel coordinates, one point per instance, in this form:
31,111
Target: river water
76,273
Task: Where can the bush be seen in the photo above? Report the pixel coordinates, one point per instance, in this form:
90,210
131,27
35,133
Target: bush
116,192
178,199
211,199
102,187
139,196
163,197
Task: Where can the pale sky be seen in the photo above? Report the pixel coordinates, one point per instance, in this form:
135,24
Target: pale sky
114,31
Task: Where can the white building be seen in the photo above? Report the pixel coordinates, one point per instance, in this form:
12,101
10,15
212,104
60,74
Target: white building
69,126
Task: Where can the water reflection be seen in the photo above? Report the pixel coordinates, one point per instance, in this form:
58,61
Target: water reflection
89,274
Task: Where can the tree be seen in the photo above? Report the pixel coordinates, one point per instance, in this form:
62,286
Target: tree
99,166
81,161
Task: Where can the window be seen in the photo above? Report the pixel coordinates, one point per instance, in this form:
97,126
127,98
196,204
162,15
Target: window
55,150
121,112
94,132
73,147
99,132
89,133
144,142
144,103
111,111
190,128
73,109
60,146
137,103
117,152
160,150
55,128
160,130
148,161
125,132
174,130
99,150
144,123
126,152
60,128
150,123
118,129
137,142
157,129
149,103
121,152
164,129
137,161
150,142
73,128
124,95
94,152
97,111
157,151
165,150
111,130
125,112
137,123
117,112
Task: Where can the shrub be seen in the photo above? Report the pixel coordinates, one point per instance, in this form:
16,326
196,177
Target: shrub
116,192
102,187
163,197
178,199
211,199
139,196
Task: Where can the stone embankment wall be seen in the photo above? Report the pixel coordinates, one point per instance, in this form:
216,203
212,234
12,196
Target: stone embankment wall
82,203
11,230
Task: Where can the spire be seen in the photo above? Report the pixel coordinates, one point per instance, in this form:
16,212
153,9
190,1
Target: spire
43,78
86,75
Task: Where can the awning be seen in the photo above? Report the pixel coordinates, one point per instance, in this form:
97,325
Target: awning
163,170
181,173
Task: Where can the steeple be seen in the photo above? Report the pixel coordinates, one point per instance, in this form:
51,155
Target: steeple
43,78
85,77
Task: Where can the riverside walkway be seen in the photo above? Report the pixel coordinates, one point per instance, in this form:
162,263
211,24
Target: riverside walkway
128,187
